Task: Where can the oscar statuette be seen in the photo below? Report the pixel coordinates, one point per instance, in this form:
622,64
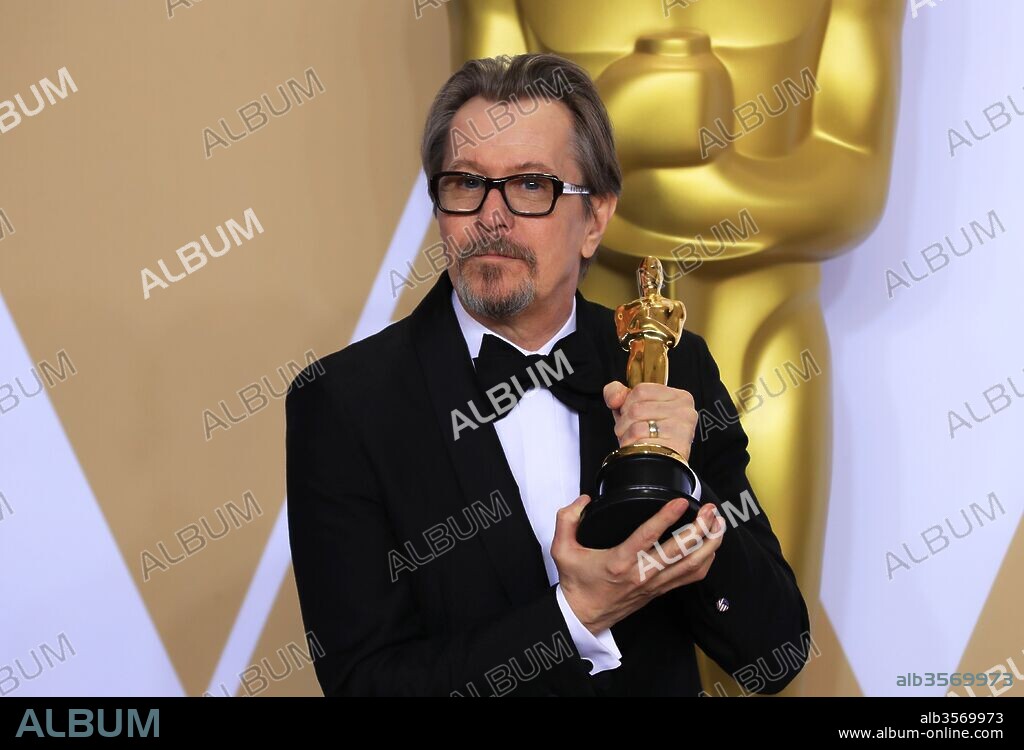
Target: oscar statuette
635,481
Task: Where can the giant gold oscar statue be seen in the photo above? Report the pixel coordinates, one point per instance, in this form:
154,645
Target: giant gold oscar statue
755,141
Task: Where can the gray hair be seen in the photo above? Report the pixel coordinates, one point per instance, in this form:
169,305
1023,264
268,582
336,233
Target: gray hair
505,80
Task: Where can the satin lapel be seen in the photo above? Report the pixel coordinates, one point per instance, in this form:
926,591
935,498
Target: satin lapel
597,424
479,459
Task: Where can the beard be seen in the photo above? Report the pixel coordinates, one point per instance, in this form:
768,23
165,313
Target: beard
487,294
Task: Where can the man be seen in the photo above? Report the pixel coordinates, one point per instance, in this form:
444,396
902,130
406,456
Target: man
433,537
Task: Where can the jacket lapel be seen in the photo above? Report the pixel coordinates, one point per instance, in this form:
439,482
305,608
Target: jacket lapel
597,425
477,455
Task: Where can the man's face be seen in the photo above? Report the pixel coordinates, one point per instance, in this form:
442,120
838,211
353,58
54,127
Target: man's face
502,262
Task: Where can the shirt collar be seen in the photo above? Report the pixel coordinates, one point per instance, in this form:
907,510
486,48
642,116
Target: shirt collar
473,331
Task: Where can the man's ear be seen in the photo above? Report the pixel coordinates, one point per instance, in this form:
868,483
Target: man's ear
604,207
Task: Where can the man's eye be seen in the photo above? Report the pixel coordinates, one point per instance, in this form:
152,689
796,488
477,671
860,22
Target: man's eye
470,183
531,185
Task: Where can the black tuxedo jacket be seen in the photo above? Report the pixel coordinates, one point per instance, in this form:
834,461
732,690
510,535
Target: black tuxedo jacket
407,597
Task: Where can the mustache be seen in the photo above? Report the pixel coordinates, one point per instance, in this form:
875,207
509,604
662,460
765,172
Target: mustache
501,246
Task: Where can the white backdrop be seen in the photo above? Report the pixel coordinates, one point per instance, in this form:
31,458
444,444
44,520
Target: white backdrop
902,364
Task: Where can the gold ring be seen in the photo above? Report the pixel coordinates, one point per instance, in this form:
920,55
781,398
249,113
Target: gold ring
652,428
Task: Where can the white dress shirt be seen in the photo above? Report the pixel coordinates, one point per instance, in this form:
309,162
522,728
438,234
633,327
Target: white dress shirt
541,440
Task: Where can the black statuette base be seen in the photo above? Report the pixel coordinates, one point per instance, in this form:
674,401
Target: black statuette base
631,489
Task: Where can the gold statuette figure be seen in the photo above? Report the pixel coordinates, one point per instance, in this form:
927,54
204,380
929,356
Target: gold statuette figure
635,481
649,327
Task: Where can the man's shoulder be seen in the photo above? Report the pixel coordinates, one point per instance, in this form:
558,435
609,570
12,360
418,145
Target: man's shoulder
368,361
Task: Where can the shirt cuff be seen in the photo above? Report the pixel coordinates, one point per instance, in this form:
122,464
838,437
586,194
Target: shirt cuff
696,486
599,649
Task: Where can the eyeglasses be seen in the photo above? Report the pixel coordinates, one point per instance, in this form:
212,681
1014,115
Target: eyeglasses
524,194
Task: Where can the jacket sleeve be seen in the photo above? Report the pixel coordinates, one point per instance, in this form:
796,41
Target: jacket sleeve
760,632
367,621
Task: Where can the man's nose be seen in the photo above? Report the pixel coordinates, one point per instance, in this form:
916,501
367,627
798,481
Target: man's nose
494,215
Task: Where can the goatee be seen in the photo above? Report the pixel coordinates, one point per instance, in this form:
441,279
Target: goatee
492,302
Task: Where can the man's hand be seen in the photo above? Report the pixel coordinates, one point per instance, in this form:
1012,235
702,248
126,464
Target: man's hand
672,408
604,586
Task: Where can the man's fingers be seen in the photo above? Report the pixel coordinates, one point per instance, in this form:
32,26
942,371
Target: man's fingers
615,395
567,520
651,530
695,569
702,526
659,392
691,568
687,539
706,519
641,411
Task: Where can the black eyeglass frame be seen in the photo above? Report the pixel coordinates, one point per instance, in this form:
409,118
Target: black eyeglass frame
560,187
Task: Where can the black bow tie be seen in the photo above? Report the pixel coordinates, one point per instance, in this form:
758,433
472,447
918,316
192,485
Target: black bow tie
570,371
